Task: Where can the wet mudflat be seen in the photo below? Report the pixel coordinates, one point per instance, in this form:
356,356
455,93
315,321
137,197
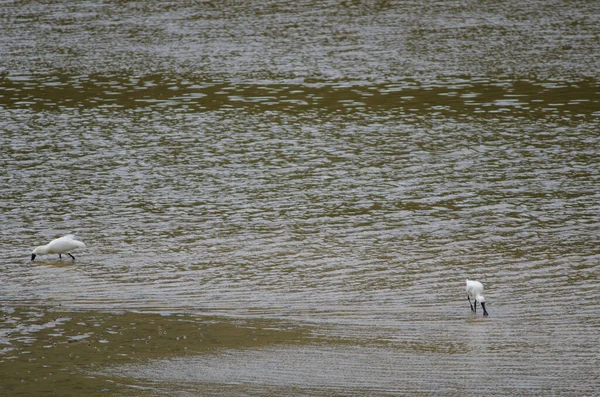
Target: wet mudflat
49,352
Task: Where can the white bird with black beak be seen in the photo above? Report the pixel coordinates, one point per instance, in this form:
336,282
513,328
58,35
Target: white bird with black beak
475,291
58,246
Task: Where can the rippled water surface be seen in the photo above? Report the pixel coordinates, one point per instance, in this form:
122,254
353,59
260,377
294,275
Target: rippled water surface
285,198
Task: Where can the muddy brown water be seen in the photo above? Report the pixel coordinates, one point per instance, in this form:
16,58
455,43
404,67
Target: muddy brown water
285,198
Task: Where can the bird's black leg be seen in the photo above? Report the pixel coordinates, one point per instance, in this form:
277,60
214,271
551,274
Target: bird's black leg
71,255
470,304
485,313
475,306
59,257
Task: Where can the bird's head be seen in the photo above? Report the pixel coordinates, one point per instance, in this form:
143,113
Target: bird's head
36,251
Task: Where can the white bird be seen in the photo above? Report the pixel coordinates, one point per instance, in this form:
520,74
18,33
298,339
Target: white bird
475,291
58,246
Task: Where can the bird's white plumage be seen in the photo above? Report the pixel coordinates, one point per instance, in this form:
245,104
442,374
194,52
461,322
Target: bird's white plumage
475,290
61,245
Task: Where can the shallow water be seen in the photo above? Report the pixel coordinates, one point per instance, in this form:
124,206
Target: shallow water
337,169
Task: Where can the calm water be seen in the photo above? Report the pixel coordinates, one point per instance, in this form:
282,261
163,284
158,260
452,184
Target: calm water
296,191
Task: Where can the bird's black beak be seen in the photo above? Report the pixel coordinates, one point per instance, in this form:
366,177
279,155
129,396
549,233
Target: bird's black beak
485,313
32,257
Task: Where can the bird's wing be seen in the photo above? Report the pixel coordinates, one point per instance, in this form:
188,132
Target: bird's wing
64,244
71,239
